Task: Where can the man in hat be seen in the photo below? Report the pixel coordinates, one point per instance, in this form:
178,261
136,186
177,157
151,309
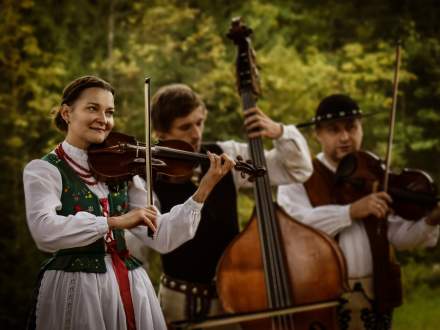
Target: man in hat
374,278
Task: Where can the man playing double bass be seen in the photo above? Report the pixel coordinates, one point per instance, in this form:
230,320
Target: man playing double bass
187,289
338,129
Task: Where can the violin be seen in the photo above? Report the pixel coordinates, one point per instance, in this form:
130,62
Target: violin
413,191
121,156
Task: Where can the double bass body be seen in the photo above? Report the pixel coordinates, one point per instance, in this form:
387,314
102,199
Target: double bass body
316,270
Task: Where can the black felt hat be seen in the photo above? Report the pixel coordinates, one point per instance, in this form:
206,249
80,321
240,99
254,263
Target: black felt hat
334,107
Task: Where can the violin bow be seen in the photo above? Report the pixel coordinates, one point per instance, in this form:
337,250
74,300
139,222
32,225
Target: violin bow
148,158
392,117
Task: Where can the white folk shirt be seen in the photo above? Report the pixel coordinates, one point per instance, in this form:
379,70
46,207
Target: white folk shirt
77,300
289,161
353,239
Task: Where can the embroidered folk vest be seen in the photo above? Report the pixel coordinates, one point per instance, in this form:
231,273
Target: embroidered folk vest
76,197
386,272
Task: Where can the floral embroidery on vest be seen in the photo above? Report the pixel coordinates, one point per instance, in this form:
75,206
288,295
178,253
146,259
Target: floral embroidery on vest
77,197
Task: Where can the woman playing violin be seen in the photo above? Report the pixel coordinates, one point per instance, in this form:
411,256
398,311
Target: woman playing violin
92,281
338,129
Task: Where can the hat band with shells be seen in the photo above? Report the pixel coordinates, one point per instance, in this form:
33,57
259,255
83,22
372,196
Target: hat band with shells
332,116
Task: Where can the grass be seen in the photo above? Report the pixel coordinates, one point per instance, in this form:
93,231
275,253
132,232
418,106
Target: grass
421,306
420,310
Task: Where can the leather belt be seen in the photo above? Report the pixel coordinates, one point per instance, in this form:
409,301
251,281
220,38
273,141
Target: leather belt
189,288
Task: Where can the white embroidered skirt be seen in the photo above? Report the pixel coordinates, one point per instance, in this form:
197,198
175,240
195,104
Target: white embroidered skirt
77,300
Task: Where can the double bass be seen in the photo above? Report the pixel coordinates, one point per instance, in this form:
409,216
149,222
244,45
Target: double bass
276,262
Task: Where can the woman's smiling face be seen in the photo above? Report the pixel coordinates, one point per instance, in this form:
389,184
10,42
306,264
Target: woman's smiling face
90,117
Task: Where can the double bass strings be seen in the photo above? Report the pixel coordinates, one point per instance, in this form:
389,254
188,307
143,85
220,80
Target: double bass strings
275,271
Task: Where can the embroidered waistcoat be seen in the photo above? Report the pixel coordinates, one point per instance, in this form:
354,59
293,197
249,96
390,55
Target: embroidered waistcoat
76,197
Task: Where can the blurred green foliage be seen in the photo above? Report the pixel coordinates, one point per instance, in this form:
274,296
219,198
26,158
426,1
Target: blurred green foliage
421,297
305,51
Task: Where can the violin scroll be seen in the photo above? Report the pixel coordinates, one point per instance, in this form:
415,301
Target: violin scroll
248,168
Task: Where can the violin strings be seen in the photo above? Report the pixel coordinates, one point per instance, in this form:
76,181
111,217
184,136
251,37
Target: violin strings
189,155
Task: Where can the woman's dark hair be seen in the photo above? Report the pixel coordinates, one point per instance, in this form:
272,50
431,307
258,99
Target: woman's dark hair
171,102
72,92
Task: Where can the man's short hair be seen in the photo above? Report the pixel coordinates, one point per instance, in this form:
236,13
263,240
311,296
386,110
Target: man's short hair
171,102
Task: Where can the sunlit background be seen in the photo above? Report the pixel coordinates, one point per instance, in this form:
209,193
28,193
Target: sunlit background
306,49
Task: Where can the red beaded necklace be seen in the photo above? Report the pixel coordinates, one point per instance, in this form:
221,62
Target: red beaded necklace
85,176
